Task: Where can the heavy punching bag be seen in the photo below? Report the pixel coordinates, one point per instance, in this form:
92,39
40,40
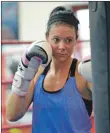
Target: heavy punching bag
100,54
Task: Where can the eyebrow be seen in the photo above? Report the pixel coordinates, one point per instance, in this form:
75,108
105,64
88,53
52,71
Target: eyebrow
69,37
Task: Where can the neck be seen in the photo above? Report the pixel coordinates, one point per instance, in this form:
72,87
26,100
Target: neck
60,66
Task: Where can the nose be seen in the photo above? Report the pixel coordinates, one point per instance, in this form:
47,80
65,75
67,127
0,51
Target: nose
62,45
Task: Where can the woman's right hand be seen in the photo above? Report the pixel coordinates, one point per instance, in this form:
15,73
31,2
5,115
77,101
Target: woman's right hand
19,101
37,53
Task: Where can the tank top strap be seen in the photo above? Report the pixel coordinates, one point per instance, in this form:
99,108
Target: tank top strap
46,69
73,67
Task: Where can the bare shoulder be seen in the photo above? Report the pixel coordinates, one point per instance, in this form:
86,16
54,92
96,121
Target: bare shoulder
82,84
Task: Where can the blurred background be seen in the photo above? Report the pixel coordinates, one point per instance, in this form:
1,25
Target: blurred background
21,24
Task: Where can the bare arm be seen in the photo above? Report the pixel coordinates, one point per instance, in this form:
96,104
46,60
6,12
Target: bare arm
17,105
83,85
36,55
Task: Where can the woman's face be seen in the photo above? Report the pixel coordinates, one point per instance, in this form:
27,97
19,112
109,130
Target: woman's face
62,39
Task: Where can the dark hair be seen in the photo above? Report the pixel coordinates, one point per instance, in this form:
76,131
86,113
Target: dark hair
61,14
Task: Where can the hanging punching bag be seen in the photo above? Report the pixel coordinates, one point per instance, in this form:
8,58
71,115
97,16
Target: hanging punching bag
100,54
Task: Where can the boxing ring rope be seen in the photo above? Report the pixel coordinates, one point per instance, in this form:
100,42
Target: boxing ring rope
14,42
25,128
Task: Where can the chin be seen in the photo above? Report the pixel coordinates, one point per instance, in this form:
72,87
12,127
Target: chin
62,59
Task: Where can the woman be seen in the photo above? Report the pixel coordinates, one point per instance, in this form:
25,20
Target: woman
60,95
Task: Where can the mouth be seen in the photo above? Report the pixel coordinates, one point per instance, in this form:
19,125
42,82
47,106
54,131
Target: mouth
62,54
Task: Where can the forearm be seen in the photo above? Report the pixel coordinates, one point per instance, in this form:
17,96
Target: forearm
18,105
15,107
22,87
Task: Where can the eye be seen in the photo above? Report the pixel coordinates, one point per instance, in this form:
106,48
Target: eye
68,40
56,40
